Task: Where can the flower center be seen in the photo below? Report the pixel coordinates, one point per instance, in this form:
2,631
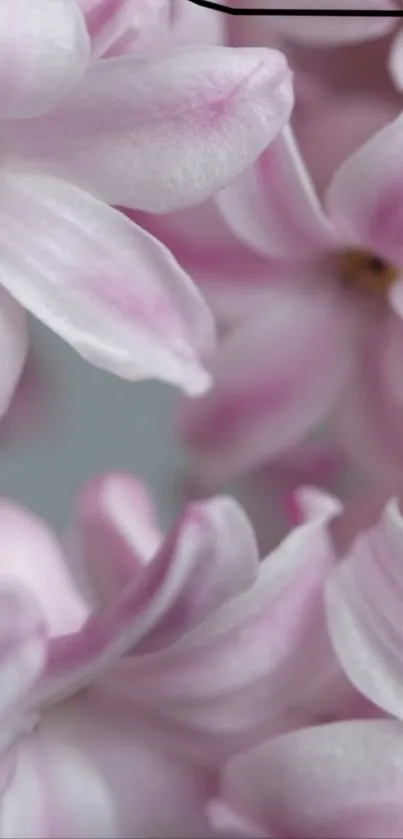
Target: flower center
365,272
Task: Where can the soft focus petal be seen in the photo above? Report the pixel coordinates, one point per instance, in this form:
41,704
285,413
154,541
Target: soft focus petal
32,557
44,49
118,532
165,132
338,781
103,284
273,207
89,771
276,376
325,30
365,197
364,607
13,347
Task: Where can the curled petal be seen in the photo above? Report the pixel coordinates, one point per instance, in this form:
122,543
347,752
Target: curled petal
44,49
337,781
186,580
100,282
364,606
164,132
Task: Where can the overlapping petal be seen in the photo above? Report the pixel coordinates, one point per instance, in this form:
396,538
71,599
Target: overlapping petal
187,579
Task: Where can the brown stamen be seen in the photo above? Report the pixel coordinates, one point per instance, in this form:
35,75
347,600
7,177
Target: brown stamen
365,272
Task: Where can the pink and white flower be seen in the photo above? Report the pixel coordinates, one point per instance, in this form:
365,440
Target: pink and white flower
321,336
155,133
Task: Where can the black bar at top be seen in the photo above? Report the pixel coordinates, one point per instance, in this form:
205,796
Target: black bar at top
230,10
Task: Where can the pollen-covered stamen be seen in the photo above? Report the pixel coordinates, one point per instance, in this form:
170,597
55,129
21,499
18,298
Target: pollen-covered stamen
365,272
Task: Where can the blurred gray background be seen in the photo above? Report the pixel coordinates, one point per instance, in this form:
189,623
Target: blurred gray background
98,422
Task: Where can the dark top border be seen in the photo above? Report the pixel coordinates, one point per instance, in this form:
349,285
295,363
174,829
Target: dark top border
230,10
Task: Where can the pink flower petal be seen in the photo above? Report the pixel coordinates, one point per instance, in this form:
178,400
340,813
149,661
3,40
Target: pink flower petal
328,31
13,347
273,207
364,607
338,781
103,284
32,557
44,49
365,197
276,376
163,132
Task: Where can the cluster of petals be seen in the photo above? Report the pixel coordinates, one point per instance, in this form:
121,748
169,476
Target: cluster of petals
260,698
301,347
83,134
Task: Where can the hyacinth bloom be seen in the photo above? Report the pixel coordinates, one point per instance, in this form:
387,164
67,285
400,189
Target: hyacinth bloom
340,780
155,133
166,656
322,335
